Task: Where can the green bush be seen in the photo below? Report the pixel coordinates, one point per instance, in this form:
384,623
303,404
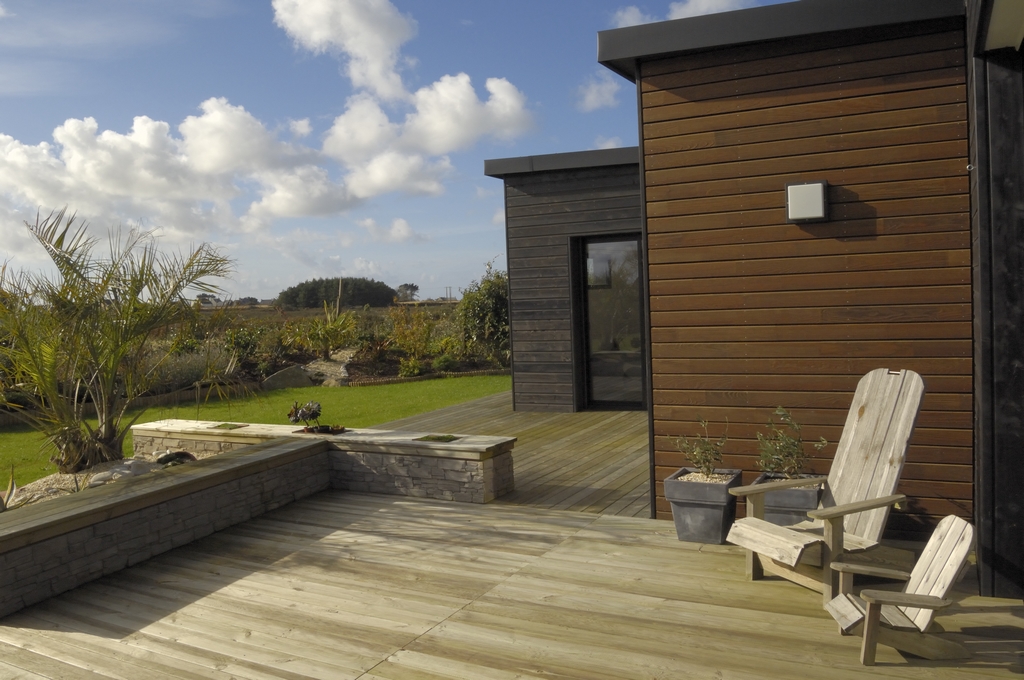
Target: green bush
445,363
482,314
409,367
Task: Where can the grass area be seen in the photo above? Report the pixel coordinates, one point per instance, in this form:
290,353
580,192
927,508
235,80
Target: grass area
348,406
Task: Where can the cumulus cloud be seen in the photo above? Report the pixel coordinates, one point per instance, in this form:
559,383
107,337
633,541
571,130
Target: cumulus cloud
370,33
408,152
602,142
630,16
633,15
399,232
300,128
363,267
598,92
222,171
692,8
186,184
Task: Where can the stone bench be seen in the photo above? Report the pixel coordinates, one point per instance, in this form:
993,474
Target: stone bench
472,468
51,547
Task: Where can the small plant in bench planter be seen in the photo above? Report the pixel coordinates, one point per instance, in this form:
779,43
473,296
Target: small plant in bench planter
783,456
7,499
702,508
310,417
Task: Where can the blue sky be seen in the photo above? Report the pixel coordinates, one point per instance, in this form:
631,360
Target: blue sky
305,138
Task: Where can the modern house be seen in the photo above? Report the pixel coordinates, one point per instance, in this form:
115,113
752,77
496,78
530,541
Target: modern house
829,186
573,233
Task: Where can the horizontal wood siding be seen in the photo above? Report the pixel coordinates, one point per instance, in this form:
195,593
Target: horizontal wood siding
543,212
748,312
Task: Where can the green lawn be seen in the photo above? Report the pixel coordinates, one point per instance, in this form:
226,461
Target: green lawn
348,406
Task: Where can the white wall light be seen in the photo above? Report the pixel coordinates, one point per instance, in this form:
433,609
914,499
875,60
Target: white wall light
807,202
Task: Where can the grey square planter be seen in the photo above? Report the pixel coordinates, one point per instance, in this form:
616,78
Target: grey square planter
788,506
703,512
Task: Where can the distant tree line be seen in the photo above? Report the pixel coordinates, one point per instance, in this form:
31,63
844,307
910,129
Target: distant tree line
356,292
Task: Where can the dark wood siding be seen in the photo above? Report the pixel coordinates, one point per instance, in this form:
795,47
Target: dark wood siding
749,312
544,211
997,188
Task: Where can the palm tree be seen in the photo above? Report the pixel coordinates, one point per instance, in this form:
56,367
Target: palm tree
84,336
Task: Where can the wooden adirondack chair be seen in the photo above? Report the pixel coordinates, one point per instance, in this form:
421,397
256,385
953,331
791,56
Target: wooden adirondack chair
858,492
901,620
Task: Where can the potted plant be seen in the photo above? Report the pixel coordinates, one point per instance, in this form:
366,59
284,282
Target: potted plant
310,417
783,456
702,508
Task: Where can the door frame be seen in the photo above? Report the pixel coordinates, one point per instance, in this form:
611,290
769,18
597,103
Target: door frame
579,322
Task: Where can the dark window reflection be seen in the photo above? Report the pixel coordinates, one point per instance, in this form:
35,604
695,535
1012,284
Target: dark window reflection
614,338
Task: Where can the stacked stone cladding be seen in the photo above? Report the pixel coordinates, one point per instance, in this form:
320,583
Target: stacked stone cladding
43,568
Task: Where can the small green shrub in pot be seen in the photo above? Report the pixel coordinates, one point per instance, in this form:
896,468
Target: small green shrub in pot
704,453
782,448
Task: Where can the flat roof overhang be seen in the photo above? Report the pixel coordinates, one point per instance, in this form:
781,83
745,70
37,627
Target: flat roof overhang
622,49
500,167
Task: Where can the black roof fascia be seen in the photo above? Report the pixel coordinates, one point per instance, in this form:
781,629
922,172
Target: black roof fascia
500,167
622,49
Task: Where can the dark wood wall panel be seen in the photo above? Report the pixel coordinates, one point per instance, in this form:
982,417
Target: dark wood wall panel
543,211
749,312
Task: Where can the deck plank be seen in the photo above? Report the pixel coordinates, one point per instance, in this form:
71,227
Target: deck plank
380,587
591,461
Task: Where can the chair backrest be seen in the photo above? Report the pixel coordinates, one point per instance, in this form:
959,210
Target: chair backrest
873,446
940,566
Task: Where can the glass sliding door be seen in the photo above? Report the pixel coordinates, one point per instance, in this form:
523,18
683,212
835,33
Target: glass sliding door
613,322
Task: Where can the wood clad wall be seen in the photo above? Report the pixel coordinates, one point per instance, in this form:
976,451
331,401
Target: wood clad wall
749,312
543,211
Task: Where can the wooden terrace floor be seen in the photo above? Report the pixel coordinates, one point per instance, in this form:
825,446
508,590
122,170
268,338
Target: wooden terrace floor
344,585
594,461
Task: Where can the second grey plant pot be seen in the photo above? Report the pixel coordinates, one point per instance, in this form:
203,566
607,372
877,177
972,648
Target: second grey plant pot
703,512
786,507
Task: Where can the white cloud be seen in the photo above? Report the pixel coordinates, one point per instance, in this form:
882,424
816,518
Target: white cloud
607,142
411,154
3,12
364,267
598,92
369,33
633,15
450,117
226,172
360,133
499,217
692,8
630,16
399,232
300,128
484,193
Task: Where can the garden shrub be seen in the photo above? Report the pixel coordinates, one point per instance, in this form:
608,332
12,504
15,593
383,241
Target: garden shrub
445,363
409,367
483,316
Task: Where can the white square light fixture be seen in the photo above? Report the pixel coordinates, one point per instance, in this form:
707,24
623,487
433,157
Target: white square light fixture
807,202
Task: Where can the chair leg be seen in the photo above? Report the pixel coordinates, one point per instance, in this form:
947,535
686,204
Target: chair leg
831,551
869,642
755,572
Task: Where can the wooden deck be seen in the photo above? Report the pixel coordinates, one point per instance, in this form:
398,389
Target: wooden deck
387,588
593,461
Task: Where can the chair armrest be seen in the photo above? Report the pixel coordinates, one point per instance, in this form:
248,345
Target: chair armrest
870,570
904,599
765,487
859,506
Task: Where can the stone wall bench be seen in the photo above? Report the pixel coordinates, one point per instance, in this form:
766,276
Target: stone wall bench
471,468
51,547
